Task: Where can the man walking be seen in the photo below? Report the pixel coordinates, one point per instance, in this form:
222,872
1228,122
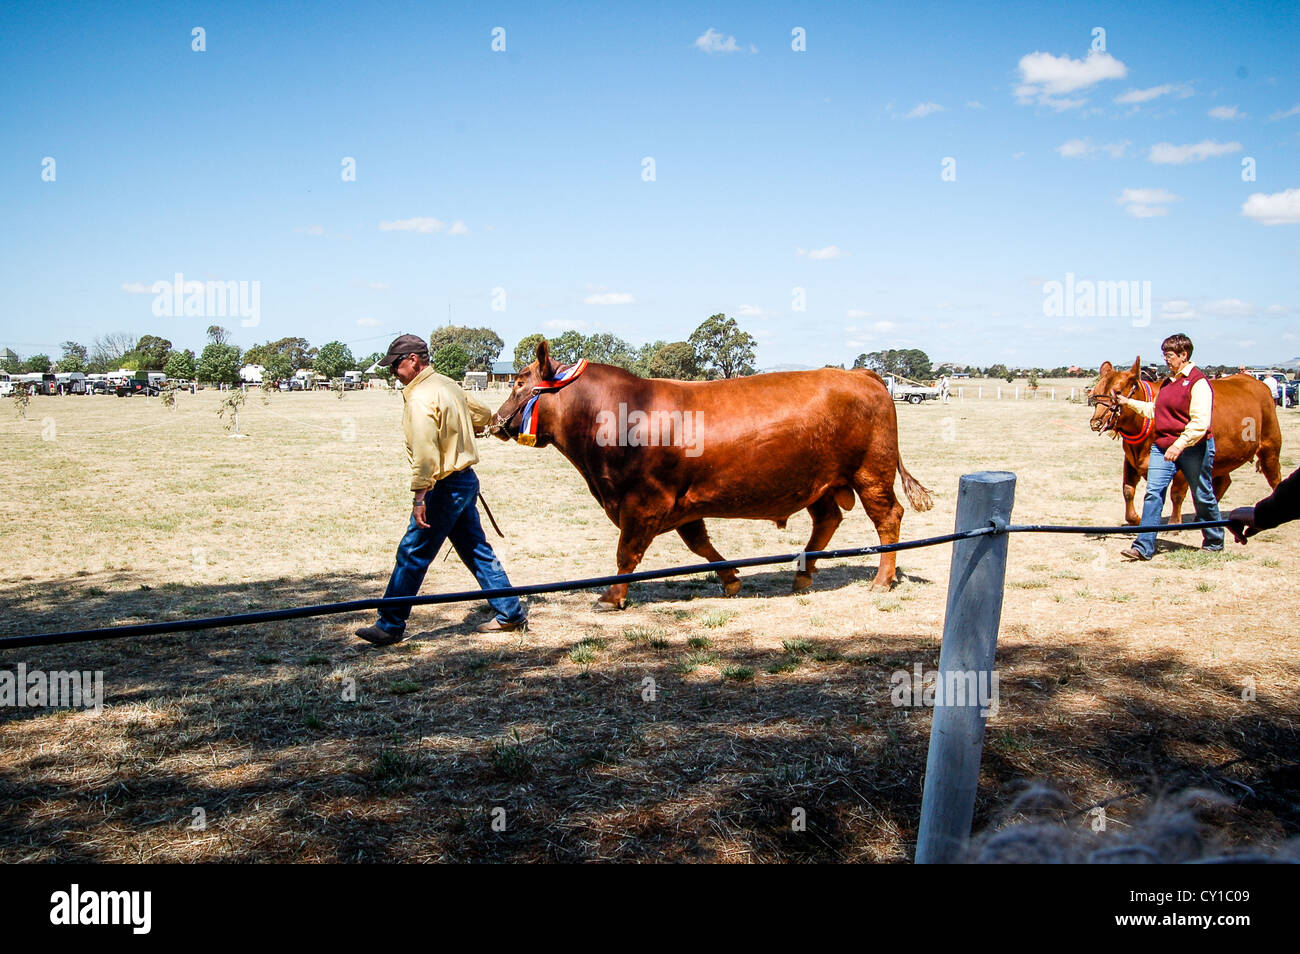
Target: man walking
1183,441
439,420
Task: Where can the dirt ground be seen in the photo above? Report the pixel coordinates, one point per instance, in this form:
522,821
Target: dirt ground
1119,682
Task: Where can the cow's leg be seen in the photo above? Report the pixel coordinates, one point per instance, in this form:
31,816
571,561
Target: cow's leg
887,514
696,536
1177,492
1131,477
632,543
826,518
1266,460
1221,484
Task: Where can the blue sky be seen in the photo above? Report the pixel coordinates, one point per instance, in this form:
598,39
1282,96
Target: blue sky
774,170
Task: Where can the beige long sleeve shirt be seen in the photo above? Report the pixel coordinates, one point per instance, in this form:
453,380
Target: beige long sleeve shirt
439,419
1202,401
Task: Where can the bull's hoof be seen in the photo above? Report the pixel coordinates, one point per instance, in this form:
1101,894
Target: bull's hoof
602,607
731,589
802,581
882,586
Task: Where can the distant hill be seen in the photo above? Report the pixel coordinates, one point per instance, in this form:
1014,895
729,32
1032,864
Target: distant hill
787,367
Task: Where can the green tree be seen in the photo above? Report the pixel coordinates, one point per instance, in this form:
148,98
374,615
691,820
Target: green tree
526,351
568,347
722,347
219,363
365,364
106,353
333,359
675,360
218,335
181,365
997,371
75,357
483,345
10,362
149,354
905,362
39,363
610,349
451,360
277,368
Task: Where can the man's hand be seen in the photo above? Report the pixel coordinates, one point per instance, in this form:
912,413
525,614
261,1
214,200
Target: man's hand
419,513
1173,453
1243,523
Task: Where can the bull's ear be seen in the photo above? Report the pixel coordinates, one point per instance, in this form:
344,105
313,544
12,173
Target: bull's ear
545,365
1137,365
1105,368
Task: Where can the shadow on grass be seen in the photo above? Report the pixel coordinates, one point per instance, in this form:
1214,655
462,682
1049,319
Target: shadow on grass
450,735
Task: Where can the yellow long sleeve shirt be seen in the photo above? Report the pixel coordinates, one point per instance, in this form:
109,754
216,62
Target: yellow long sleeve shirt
1202,400
439,419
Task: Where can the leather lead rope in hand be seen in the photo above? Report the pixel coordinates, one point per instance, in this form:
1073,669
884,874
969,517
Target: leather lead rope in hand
488,511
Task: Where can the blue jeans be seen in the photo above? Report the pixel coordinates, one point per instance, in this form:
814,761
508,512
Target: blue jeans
452,515
1197,465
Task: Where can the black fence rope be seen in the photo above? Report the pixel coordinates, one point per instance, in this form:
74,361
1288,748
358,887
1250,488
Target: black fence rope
356,606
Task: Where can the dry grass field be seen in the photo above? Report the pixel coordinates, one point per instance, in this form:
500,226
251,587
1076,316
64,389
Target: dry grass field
1119,682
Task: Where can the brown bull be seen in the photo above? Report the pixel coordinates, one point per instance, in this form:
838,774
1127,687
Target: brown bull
663,455
1244,426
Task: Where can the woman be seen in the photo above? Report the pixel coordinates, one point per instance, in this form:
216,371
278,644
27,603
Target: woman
1183,442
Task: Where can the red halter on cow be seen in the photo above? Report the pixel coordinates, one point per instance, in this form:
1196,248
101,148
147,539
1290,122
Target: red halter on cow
663,455
1244,426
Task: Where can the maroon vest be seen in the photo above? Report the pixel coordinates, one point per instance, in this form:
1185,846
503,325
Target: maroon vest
1173,407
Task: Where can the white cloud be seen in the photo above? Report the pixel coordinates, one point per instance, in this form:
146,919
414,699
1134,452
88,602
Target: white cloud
1277,310
821,254
1279,208
1177,311
711,41
883,327
750,311
458,228
1086,149
137,288
974,104
368,322
1284,114
1226,112
610,298
312,230
422,225
1146,203
1168,154
921,110
565,324
378,286
1229,308
858,313
1154,92
1045,78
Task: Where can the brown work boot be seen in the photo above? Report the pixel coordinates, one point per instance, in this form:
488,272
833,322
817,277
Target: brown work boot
380,637
496,626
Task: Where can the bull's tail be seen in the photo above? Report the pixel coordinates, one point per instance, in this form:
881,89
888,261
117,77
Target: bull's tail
917,495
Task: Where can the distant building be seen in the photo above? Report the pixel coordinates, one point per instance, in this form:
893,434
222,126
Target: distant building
251,373
503,372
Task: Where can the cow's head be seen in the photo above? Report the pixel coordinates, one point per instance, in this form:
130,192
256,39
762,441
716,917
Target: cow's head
1110,378
505,423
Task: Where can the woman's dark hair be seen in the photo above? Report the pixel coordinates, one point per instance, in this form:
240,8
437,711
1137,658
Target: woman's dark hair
1177,342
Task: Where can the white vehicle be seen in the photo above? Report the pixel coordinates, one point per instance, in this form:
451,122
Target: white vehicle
903,389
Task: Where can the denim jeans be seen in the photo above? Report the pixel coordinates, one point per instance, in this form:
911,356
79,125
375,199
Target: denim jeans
452,515
1197,465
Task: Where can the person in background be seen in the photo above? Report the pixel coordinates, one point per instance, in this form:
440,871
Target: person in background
1183,442
439,420
1279,507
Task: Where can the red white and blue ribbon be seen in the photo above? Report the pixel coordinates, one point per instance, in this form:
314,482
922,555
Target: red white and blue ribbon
528,423
1147,423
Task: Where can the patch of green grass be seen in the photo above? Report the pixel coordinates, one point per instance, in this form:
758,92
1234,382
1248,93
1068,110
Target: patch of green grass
1204,587
312,722
404,687
737,673
1066,576
266,659
587,650
1270,563
1200,559
717,618
698,642
1121,597
889,604
316,660
512,758
394,765
642,634
1028,584
784,665
816,621
693,661
797,647
1039,567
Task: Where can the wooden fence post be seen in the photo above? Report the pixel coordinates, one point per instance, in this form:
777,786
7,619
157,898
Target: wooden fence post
970,637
